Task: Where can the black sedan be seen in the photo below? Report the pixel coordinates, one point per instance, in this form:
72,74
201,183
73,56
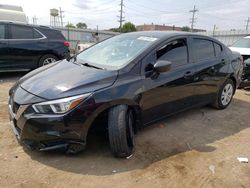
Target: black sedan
128,81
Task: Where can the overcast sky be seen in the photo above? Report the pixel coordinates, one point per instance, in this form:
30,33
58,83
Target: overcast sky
226,14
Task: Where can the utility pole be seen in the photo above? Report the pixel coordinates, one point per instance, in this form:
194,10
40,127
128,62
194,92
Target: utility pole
61,16
214,30
248,22
121,20
68,32
193,17
34,19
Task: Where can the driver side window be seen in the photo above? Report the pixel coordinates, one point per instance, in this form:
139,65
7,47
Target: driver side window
175,51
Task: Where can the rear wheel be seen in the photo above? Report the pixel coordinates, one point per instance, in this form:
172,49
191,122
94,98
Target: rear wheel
47,59
225,95
120,129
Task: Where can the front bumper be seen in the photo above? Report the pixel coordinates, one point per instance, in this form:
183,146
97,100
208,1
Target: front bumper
47,132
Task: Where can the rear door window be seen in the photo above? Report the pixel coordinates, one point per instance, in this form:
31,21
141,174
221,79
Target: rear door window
2,31
175,52
37,35
21,32
204,49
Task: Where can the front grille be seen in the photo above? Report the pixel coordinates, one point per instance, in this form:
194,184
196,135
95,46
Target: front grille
15,107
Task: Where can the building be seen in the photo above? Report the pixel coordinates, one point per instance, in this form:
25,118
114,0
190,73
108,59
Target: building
12,13
153,27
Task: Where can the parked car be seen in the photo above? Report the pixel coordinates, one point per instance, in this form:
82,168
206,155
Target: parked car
243,47
124,82
83,46
25,47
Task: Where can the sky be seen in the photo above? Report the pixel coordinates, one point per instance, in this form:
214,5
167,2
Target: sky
225,14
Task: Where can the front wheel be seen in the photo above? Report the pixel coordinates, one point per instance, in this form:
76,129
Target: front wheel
225,95
120,129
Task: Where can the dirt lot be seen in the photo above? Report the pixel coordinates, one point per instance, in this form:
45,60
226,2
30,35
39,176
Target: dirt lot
197,148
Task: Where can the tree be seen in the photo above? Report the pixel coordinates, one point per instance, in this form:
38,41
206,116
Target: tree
70,25
128,27
185,28
114,29
81,25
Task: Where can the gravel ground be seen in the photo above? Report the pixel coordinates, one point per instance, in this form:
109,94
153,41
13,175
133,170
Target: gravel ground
197,148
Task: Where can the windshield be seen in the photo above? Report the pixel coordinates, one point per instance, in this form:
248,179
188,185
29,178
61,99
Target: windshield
242,43
117,51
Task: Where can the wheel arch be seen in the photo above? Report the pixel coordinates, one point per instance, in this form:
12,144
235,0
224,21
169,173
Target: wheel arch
232,77
105,108
47,53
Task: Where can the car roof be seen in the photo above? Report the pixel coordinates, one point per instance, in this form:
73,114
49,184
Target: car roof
25,24
163,35
157,34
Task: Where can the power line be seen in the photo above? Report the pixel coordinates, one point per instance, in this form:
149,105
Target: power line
208,16
121,20
193,19
248,22
147,14
139,6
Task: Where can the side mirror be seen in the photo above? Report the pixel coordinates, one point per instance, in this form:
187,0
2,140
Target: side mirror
162,66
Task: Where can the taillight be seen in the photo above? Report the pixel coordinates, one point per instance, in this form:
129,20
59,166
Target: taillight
66,43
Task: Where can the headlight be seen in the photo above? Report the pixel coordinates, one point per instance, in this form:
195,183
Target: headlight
59,106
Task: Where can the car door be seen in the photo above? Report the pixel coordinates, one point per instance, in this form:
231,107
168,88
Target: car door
210,69
171,91
24,47
4,47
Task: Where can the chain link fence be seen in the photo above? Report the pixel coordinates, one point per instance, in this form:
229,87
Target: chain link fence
82,36
227,37
92,36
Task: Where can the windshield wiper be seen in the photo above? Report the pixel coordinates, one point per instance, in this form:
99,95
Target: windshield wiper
89,65
85,64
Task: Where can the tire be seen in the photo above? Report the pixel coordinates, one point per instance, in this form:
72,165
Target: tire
225,95
47,59
120,130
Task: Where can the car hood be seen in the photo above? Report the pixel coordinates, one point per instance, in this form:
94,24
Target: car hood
64,79
242,51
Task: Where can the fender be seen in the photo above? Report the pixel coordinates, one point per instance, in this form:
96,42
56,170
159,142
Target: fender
105,106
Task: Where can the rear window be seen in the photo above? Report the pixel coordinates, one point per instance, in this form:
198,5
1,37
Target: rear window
21,32
204,49
242,43
52,34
